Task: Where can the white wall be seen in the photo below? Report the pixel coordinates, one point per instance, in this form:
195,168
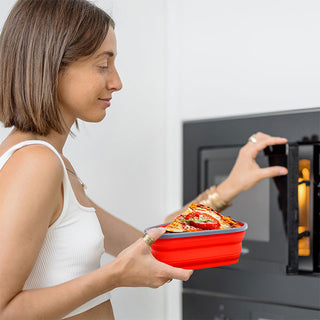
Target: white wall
247,56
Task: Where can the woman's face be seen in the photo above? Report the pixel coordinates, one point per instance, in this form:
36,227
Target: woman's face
85,87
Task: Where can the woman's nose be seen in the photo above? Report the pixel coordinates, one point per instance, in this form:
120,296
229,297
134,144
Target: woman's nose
114,82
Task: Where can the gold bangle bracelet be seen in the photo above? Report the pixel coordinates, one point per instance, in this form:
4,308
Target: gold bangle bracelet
214,201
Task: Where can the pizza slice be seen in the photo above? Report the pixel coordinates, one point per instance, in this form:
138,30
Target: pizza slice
180,225
199,217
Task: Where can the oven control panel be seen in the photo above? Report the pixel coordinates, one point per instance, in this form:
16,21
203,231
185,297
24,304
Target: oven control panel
209,307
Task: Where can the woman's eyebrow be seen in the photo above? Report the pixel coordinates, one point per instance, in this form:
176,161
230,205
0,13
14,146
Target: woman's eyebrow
105,53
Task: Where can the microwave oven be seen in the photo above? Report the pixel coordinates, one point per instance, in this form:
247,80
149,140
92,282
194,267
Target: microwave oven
279,266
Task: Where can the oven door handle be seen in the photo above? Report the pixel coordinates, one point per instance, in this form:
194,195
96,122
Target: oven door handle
316,208
293,208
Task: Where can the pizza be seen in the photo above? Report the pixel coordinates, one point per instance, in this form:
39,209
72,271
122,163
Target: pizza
199,217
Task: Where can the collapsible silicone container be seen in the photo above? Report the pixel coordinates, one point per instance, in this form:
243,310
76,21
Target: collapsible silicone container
199,249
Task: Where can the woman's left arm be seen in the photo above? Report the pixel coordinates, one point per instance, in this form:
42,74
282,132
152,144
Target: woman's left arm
118,234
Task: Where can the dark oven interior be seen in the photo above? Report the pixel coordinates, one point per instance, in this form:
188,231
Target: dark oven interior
277,276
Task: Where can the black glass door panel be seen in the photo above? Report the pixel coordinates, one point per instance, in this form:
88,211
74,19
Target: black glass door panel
263,207
251,206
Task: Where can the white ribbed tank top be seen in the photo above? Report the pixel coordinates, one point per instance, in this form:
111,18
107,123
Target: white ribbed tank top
73,245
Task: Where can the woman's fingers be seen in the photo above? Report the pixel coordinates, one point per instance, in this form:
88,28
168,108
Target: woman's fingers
271,172
263,139
270,142
153,234
166,273
171,272
180,274
261,142
138,268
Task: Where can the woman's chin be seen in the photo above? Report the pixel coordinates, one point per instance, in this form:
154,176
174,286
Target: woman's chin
95,118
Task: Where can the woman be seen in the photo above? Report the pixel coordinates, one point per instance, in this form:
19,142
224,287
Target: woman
58,65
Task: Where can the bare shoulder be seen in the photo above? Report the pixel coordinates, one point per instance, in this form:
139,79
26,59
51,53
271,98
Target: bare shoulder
34,175
33,160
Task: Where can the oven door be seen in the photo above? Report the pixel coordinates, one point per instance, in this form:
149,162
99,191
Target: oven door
303,207
264,207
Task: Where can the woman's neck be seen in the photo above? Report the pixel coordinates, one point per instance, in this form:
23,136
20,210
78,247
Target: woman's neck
54,138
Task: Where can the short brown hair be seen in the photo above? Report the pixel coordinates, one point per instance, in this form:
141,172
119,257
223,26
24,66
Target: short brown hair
38,40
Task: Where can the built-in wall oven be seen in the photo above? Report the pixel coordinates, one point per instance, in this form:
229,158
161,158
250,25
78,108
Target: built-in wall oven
277,276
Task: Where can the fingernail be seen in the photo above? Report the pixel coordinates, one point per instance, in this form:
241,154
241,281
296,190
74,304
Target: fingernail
283,172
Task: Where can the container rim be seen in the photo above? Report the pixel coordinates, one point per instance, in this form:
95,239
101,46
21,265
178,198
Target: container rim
199,233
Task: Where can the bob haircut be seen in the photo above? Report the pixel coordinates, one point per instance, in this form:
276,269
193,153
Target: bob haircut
38,40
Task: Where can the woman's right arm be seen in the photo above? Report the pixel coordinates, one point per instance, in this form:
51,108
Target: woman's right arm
245,174
30,197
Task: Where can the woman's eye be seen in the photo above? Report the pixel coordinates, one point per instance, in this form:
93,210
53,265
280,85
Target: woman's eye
103,67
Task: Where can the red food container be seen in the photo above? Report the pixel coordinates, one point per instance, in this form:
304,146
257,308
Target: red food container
200,249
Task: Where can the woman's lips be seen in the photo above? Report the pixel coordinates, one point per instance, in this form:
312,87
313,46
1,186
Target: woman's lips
106,102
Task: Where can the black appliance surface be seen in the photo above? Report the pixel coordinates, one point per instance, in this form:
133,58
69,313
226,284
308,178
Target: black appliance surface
270,281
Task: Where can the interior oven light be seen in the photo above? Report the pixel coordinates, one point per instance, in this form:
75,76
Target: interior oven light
304,207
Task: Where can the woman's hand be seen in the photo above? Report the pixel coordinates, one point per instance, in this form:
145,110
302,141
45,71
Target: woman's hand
246,173
138,268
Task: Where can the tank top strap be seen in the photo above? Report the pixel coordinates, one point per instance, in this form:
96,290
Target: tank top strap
6,156
67,188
